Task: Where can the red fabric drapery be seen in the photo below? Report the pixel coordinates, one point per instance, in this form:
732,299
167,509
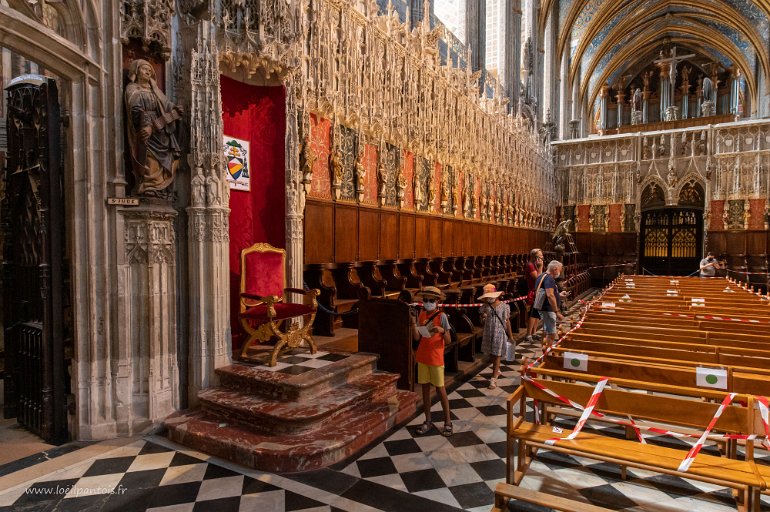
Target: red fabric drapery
258,115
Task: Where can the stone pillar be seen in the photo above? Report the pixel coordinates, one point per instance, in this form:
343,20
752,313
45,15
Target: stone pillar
645,105
475,36
576,114
564,93
147,362
210,337
513,47
295,193
619,98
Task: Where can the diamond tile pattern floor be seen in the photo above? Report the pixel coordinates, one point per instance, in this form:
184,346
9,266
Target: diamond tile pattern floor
403,472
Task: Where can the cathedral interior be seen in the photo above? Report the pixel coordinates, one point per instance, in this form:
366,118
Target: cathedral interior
225,224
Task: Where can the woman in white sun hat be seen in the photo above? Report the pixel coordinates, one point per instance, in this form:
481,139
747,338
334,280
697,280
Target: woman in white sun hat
497,328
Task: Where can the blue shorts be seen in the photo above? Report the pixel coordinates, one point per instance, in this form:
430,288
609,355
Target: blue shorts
549,321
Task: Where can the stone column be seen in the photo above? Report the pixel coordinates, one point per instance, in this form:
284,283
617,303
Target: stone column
475,36
208,238
645,105
147,275
565,97
576,114
295,194
512,49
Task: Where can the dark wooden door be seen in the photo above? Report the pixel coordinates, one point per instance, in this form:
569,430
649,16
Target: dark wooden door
33,222
671,241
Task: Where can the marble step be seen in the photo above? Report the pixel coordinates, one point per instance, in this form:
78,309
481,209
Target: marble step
280,453
256,380
281,417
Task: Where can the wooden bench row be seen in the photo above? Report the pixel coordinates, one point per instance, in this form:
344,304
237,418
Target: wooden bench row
683,415
654,358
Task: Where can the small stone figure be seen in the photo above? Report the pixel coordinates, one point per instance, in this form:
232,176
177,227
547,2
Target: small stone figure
708,88
151,122
637,101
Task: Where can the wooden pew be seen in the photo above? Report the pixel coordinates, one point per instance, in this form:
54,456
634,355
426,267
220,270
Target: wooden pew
526,438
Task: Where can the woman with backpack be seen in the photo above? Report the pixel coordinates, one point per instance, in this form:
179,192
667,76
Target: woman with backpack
496,316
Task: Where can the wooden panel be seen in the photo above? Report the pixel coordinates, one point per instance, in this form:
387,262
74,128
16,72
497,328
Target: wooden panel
717,242
368,234
318,232
735,242
421,242
458,232
388,236
345,225
406,236
465,237
447,237
434,235
756,243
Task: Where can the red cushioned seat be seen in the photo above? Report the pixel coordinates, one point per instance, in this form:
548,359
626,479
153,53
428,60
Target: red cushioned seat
282,312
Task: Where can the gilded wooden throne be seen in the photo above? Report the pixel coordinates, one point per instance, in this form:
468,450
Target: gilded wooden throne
265,313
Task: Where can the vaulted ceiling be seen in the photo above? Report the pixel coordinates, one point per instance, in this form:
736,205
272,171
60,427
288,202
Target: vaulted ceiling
607,39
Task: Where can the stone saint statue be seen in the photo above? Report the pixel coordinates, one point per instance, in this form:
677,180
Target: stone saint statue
151,123
637,100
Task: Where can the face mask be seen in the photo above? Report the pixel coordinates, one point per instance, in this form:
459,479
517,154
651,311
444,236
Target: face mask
429,306
491,300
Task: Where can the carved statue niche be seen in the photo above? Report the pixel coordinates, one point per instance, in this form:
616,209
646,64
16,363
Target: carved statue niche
151,123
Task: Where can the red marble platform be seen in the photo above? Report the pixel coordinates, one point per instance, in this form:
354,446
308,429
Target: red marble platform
279,422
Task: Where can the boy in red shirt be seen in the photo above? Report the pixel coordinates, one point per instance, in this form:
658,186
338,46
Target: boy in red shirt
430,356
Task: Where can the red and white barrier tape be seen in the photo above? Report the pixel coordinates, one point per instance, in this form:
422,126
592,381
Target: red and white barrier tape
557,396
472,305
577,326
687,462
586,412
762,403
744,272
715,317
637,430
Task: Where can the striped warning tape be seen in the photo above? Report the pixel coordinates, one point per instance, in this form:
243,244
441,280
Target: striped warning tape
472,305
577,326
762,403
716,317
598,389
687,462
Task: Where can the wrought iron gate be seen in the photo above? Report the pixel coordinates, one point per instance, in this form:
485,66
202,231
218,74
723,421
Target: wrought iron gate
33,223
671,240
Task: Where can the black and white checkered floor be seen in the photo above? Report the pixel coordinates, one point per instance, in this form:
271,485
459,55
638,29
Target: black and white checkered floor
404,472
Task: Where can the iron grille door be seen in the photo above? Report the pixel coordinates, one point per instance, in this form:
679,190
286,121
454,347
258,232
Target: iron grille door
33,222
671,240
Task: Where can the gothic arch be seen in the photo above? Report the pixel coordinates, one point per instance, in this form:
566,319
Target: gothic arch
649,188
692,183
